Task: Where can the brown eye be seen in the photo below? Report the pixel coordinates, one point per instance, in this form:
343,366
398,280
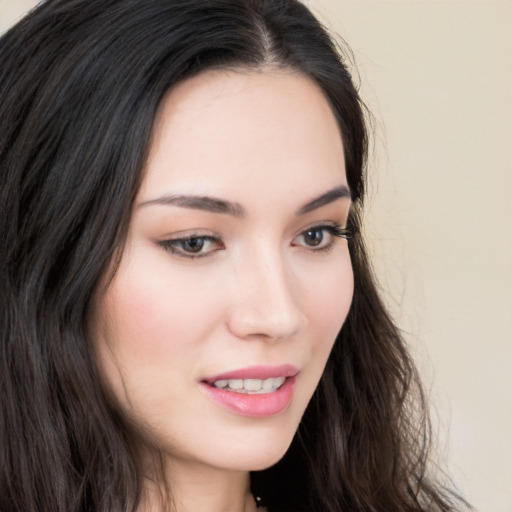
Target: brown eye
193,246
313,237
320,238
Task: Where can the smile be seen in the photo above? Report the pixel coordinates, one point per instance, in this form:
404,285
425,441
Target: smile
258,391
250,386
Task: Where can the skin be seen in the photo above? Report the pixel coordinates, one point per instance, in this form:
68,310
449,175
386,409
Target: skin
259,293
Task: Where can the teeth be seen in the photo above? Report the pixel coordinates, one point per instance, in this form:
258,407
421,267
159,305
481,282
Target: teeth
268,384
279,381
250,386
236,383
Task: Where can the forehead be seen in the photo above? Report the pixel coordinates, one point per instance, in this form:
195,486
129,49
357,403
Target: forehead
223,132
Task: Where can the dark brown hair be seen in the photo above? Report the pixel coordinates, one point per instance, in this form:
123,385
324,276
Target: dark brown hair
80,84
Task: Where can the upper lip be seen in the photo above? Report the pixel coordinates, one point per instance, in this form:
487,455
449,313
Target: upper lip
256,372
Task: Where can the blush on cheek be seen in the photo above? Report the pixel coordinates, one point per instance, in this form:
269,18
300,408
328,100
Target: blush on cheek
140,324
331,305
151,317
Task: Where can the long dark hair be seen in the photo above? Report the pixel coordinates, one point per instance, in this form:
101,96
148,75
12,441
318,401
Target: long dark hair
80,85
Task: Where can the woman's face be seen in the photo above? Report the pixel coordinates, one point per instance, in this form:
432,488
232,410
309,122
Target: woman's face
235,278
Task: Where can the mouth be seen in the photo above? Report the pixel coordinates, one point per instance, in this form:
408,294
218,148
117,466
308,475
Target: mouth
258,391
250,386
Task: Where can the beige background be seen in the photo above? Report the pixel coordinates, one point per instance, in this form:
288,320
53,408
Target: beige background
438,77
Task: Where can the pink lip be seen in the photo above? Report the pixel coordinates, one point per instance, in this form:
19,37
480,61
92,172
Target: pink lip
254,405
256,372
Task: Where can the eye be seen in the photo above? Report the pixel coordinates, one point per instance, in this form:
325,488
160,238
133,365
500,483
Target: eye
193,246
320,238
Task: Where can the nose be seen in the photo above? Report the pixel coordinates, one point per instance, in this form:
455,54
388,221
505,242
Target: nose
265,303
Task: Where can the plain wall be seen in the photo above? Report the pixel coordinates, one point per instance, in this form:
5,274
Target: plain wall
438,77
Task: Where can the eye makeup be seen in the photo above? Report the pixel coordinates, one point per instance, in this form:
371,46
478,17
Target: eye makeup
193,246
316,238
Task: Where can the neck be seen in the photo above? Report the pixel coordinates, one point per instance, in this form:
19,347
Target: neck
194,487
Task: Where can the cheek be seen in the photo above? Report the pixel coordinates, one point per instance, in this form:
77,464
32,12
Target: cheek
146,329
329,298
328,301
148,309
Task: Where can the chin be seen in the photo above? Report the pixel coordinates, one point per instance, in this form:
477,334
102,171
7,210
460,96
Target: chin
260,454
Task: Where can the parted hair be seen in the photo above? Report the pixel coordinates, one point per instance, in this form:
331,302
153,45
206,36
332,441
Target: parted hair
80,84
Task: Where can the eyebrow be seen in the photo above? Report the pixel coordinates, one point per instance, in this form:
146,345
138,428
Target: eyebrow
206,203
215,205
328,197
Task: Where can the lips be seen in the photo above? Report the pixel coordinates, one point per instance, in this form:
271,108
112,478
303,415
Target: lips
256,372
254,386
257,391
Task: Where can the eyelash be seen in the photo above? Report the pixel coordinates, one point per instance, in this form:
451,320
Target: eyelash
334,230
175,245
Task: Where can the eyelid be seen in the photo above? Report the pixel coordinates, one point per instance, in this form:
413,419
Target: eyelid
338,229
172,243
334,231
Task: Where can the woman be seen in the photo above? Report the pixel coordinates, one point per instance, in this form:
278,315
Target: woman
189,321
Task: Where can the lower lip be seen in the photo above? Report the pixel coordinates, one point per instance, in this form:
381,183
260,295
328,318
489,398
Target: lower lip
253,405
